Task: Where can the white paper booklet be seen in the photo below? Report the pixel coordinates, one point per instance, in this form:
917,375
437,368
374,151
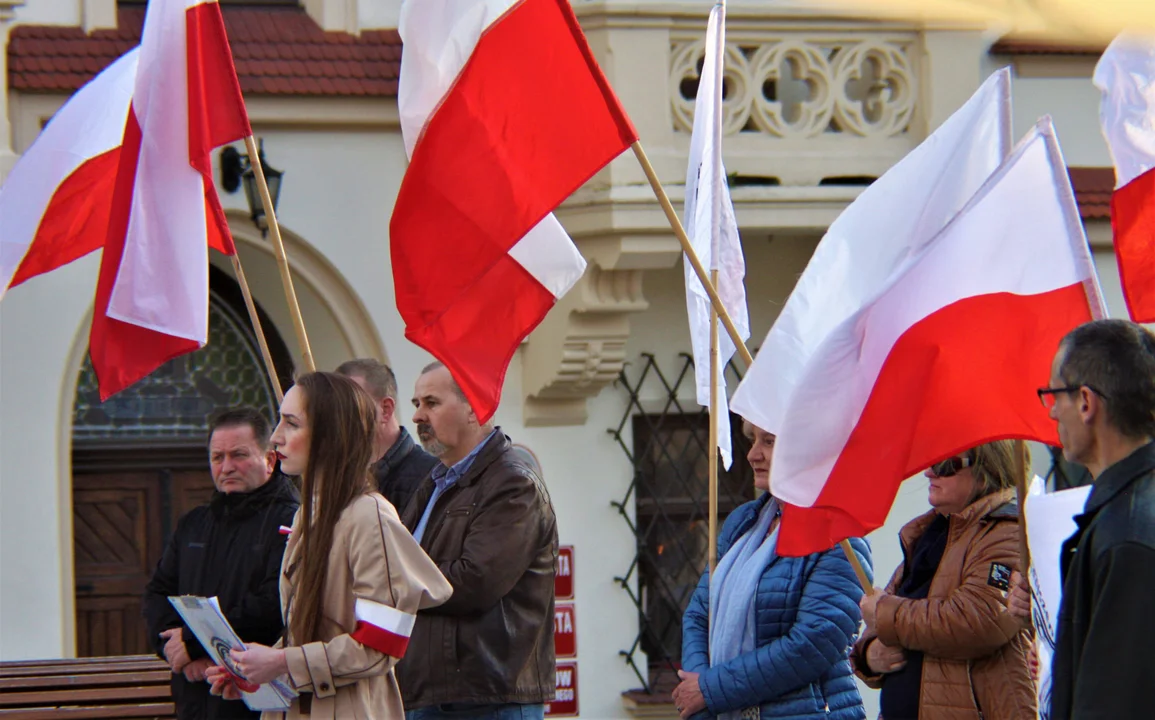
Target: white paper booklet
208,623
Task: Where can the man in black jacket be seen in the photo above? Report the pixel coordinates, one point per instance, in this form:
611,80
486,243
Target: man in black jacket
230,548
1102,396
401,464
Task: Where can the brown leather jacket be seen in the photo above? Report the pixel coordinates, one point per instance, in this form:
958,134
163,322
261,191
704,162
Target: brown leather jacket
975,653
493,535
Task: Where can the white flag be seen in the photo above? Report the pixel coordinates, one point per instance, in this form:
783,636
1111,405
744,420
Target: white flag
891,390
713,232
889,222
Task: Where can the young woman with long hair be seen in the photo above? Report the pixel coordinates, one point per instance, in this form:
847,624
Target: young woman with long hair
352,577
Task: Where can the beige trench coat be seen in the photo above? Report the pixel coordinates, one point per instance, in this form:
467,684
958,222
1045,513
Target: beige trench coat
373,557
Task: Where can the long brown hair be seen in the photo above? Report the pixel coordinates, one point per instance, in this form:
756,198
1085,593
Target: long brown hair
342,421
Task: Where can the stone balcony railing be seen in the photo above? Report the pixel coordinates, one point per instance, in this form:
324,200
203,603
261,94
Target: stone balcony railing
822,97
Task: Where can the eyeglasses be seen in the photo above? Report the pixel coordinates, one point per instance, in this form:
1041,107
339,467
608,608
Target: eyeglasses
1047,395
950,467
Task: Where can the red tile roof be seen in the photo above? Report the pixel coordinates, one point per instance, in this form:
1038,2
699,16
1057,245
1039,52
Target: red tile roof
1025,47
1093,187
278,51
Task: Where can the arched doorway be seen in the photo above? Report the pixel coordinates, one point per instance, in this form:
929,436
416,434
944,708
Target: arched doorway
139,462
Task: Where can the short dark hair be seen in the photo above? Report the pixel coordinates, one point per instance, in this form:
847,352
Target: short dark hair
438,365
1116,360
240,416
379,378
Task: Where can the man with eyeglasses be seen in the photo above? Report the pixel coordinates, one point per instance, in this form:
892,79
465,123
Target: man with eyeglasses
1102,397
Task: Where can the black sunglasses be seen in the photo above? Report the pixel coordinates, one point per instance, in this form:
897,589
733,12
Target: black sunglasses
951,466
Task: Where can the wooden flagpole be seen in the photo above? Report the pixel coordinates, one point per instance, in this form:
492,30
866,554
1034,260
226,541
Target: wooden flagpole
279,251
1021,470
270,367
688,249
716,304
716,178
713,473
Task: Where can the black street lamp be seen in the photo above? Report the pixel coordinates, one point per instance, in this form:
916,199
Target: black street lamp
236,168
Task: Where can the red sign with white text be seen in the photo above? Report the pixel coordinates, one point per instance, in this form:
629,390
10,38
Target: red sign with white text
563,581
565,702
564,631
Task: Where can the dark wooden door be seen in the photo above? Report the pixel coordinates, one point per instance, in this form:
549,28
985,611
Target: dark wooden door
121,522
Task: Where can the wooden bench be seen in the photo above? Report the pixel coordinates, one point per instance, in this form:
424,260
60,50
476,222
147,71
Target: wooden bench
130,686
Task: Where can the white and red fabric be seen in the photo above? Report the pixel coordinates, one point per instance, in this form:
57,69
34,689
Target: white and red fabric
713,233
947,356
1125,75
890,221
383,628
504,113
54,205
152,295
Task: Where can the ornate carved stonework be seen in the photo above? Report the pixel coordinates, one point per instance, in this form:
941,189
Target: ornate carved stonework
804,86
581,346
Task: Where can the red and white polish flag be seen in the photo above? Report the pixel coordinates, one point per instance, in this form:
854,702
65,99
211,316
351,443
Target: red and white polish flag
1125,75
504,113
152,293
383,628
55,203
889,222
946,357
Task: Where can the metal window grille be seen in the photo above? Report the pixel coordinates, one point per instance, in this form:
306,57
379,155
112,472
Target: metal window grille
670,494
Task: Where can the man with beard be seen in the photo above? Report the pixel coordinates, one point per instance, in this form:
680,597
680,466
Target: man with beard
401,465
230,548
485,518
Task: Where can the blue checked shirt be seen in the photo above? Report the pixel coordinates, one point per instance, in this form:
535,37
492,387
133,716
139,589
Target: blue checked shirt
443,479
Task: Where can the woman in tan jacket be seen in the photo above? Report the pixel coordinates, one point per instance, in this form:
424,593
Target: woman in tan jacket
352,579
939,641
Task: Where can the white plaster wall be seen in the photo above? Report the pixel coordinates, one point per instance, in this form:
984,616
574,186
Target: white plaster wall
40,322
1108,269
49,12
1072,103
337,194
375,14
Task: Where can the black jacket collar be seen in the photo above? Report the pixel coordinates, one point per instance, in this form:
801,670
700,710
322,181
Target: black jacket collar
1119,476
243,505
394,455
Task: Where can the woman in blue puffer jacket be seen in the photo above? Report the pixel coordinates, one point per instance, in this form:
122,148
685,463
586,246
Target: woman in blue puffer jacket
779,641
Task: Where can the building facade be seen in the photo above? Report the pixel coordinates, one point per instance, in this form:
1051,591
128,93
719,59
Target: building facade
816,107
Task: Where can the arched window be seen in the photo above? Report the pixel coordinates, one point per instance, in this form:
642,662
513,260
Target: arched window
175,401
